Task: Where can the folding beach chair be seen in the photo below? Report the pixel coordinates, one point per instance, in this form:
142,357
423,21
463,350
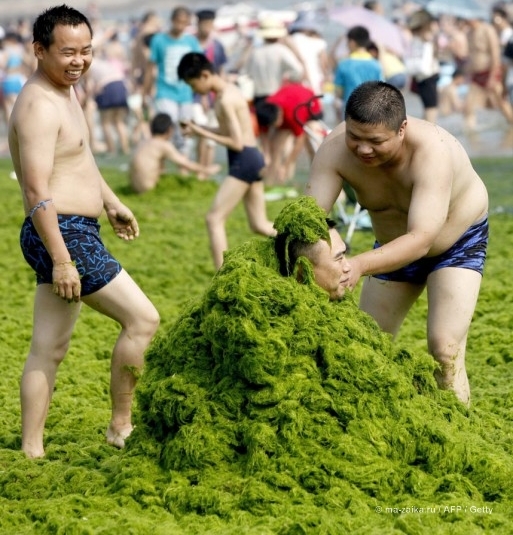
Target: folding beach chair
356,218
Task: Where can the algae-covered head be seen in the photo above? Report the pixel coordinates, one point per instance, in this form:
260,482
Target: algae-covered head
309,247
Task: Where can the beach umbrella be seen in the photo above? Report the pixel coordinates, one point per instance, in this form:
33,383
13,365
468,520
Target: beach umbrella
465,9
382,30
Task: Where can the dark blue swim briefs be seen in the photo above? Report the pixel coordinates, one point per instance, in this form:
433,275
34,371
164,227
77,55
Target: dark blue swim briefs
246,165
96,266
469,252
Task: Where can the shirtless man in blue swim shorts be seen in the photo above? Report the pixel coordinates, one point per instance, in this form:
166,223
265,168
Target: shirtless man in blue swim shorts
428,208
63,196
245,161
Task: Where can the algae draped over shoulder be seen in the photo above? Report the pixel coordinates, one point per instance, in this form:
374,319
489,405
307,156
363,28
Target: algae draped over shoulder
266,398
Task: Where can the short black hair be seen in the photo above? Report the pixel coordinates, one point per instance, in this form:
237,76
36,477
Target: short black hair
63,15
205,14
360,35
161,124
376,103
192,65
266,113
180,10
288,251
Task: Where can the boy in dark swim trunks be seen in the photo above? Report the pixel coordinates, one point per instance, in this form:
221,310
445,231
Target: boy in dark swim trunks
245,161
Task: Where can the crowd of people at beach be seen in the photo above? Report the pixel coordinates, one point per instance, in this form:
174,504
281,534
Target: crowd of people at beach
427,204
455,65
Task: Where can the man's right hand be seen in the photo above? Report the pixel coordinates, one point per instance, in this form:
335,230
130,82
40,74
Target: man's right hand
66,281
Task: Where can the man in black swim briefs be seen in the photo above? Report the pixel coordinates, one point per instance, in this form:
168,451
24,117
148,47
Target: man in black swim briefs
235,131
469,252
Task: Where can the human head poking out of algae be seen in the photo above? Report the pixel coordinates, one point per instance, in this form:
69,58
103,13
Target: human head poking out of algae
310,248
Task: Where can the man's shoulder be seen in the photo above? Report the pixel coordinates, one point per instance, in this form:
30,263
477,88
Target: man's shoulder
35,92
230,91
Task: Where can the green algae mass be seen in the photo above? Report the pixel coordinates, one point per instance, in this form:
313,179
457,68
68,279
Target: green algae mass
270,407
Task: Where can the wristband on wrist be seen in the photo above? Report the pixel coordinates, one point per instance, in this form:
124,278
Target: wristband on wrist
69,263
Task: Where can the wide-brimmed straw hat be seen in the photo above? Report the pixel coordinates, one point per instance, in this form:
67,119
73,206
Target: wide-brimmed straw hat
272,29
419,19
306,21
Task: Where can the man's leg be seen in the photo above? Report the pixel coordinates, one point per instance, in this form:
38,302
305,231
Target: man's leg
280,147
452,298
120,122
107,122
54,319
475,99
388,302
230,193
123,301
254,203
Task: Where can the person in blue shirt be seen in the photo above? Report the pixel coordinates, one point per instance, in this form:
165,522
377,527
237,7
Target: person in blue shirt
171,95
360,66
204,113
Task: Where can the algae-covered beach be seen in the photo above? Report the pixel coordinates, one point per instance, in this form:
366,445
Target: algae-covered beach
264,408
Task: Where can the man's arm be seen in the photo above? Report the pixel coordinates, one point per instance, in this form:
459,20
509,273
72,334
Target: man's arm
325,182
178,158
234,139
37,148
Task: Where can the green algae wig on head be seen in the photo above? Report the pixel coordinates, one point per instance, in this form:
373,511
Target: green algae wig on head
302,222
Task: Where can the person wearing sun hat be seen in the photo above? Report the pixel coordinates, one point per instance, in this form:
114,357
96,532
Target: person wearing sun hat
306,35
269,64
422,62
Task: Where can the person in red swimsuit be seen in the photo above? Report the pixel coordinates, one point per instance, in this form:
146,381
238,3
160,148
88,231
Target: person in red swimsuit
285,115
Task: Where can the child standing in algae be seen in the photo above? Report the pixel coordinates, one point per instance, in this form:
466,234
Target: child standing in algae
245,161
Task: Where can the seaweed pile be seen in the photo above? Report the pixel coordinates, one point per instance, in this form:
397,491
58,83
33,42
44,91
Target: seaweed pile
265,400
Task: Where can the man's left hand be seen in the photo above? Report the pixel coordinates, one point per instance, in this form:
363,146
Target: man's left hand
123,222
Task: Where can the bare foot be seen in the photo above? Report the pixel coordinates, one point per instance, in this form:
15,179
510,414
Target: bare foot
34,454
117,438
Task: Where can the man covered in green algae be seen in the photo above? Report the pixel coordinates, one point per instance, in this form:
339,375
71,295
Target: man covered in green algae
267,399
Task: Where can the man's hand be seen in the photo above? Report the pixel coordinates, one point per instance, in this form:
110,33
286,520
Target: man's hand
66,281
353,273
213,169
123,222
187,127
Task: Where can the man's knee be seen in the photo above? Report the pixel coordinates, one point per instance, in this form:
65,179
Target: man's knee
214,218
53,351
259,227
446,352
149,322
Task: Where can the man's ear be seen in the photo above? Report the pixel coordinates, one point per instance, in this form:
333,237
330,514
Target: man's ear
38,50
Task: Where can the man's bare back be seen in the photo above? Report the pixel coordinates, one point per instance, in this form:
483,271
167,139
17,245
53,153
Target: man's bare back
390,191
75,182
148,162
